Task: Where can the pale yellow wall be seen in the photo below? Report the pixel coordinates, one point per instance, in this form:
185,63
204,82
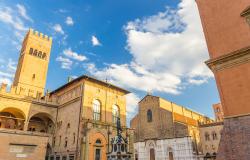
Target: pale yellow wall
188,113
107,97
26,106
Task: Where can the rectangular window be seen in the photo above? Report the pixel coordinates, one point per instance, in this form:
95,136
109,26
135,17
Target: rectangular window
97,116
64,158
71,157
58,157
98,154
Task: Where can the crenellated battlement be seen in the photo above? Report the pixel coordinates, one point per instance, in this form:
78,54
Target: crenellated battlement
39,34
18,92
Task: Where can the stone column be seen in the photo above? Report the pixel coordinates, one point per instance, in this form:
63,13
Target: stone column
26,124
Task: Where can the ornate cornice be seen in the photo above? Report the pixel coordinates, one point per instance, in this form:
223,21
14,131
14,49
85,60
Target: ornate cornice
229,60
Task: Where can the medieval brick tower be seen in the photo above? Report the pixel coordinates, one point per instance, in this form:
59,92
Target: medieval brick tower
226,25
31,73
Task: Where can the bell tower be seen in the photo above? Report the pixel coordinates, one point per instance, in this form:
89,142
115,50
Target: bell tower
31,72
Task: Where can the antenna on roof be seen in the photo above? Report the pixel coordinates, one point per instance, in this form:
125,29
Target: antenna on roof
149,92
70,78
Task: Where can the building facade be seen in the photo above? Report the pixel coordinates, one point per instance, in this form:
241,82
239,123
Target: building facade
210,139
170,149
226,27
74,122
162,122
218,112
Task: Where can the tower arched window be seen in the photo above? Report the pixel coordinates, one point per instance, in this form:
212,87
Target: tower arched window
44,56
40,54
96,110
115,113
35,52
31,51
149,116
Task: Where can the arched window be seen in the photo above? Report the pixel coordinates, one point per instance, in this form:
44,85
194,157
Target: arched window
60,138
35,53
66,142
96,110
115,113
98,142
149,116
31,51
98,149
40,54
207,136
44,56
214,134
74,138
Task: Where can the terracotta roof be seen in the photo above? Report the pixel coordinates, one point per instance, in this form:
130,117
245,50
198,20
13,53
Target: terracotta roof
92,79
211,124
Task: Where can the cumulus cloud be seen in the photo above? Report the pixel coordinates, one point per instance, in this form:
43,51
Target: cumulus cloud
8,16
16,19
58,28
73,55
7,72
22,11
11,66
168,51
65,62
4,80
132,104
69,21
95,41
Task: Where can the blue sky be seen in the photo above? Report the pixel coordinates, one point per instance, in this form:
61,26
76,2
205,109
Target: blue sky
143,46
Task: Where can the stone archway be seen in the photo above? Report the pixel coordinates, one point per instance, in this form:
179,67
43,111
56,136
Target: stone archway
41,122
12,118
150,145
98,146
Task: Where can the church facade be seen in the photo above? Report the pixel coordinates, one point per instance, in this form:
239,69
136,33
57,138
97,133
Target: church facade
75,121
165,130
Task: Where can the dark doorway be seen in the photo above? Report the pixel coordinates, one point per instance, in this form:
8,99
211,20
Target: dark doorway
152,154
171,157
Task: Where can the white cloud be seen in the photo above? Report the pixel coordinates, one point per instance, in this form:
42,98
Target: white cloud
132,105
168,51
69,21
63,11
4,80
7,16
11,66
65,62
22,11
95,41
7,71
69,53
6,74
58,28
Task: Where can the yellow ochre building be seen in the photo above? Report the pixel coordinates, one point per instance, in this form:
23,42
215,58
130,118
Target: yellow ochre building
75,121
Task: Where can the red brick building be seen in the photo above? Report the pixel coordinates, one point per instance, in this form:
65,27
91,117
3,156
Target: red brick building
218,112
226,25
